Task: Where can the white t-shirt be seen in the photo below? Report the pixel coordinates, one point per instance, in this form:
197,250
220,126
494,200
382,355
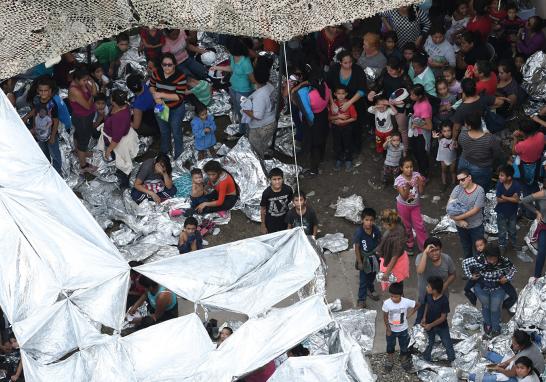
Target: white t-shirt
383,121
398,313
530,378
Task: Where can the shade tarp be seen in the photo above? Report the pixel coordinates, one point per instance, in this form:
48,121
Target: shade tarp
319,368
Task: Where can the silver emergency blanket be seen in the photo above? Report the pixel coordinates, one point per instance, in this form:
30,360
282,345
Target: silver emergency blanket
446,224
321,368
360,325
529,238
534,82
531,308
466,321
246,276
428,372
350,208
333,242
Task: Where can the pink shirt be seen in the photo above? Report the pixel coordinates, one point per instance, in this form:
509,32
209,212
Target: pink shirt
177,47
317,102
422,110
530,149
413,198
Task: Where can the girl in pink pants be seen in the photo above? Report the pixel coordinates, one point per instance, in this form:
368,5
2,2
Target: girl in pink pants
410,184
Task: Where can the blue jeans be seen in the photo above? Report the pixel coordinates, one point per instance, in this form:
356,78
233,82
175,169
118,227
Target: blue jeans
468,237
507,227
443,333
491,300
174,125
53,154
366,284
403,341
192,68
235,97
480,175
541,255
488,377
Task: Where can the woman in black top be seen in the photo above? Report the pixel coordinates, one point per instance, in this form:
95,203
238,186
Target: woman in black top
346,73
472,50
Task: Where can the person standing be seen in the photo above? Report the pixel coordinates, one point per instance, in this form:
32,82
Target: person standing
275,203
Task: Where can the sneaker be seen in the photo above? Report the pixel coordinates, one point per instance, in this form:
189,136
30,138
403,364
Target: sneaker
388,365
348,166
361,304
373,295
337,167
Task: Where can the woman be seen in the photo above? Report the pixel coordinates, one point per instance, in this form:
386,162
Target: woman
393,257
472,50
480,23
167,86
80,96
531,39
226,191
162,304
528,144
175,43
119,141
242,74
328,41
479,150
508,87
530,202
353,78
151,41
154,180
459,19
262,122
523,346
410,23
372,57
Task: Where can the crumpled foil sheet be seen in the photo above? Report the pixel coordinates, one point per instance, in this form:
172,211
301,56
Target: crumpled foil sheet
284,142
534,82
418,338
333,242
466,321
350,208
501,344
220,104
132,61
142,311
360,325
428,372
490,216
208,42
372,74
290,171
531,309
446,224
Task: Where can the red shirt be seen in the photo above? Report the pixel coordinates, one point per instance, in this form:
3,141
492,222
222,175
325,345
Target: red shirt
480,24
489,86
351,111
224,186
530,149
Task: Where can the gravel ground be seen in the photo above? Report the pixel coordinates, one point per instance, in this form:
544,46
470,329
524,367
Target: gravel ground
396,375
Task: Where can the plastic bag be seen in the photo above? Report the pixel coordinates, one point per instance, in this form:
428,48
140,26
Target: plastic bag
162,111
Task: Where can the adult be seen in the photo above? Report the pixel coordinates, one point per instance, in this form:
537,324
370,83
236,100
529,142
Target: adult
353,78
529,145
479,150
144,121
530,202
531,39
421,74
432,262
151,41
465,207
167,86
508,87
329,40
162,304
154,180
262,122
61,71
226,191
472,50
80,96
118,141
242,74
459,19
480,23
177,44
522,346
393,258
410,23
108,54
7,87
372,58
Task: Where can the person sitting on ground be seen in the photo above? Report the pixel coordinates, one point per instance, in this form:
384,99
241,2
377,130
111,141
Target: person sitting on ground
226,191
526,371
203,128
109,53
162,303
302,215
144,121
275,203
223,335
190,238
154,180
365,241
197,195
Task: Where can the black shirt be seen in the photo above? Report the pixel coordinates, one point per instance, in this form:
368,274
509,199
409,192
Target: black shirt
276,207
435,308
309,219
466,109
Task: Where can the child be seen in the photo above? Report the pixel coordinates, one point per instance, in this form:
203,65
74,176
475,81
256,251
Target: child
382,111
201,90
203,128
508,191
302,215
512,22
480,245
408,51
447,100
486,79
395,149
435,318
447,154
102,110
453,85
275,203
390,40
396,312
419,128
190,238
42,125
410,184
365,240
525,370
197,188
342,128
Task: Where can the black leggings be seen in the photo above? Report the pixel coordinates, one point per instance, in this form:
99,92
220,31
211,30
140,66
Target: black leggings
229,202
417,146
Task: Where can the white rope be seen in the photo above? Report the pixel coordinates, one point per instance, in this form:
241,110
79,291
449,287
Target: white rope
292,124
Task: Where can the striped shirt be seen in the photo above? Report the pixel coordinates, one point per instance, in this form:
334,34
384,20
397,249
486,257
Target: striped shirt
175,84
408,31
480,151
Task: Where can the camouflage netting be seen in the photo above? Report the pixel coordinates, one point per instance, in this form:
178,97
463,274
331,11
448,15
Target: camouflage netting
31,32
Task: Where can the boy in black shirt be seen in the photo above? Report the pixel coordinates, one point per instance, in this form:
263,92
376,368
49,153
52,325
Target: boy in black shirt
301,213
274,204
435,318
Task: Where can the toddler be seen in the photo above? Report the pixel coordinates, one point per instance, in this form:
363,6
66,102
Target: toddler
190,238
203,128
447,100
197,188
453,85
42,125
101,110
447,154
382,111
511,23
201,90
394,149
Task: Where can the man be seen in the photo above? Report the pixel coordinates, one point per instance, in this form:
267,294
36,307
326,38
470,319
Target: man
144,121
465,208
420,73
432,263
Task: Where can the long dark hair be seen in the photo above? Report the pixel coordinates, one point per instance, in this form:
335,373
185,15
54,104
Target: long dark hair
527,362
216,167
316,80
165,161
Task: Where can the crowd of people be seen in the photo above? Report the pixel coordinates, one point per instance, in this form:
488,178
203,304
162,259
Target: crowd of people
419,84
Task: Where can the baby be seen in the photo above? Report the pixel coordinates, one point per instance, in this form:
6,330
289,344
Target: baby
198,195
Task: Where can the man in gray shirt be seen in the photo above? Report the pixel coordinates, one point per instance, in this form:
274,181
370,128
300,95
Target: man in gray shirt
432,262
468,200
